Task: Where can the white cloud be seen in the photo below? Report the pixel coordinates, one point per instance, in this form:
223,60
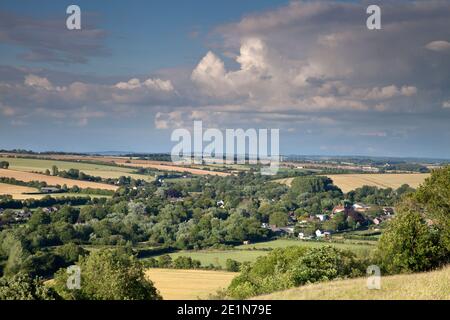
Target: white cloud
446,104
38,82
153,84
439,46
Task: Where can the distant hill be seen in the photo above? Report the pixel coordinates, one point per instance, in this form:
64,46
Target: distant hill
433,285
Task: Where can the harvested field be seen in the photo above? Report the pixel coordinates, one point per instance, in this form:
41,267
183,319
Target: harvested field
189,284
51,180
17,192
123,161
348,182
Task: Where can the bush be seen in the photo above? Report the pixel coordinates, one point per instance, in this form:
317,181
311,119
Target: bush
232,265
23,287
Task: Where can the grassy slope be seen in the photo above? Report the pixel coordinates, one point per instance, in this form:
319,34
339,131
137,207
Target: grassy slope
429,286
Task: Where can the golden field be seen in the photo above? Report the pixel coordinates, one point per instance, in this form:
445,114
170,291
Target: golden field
433,285
51,180
176,284
349,182
120,161
17,192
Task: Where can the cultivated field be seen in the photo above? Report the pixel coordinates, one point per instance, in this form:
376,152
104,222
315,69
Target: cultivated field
421,286
123,161
51,180
349,182
16,191
188,284
98,170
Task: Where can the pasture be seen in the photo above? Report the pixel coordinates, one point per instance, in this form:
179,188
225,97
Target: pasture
218,258
355,246
51,180
176,284
433,285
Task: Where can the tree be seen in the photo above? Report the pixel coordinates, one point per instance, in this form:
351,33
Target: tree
280,219
4,164
109,275
55,170
23,287
409,244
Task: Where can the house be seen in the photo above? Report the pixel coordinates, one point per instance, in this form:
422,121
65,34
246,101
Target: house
324,234
338,209
361,207
246,242
221,203
322,217
388,211
50,190
287,230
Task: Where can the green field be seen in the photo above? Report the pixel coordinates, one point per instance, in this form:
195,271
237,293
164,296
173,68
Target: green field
104,171
251,252
219,257
433,285
352,245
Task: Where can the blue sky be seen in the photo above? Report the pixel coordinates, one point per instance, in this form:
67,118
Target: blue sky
140,69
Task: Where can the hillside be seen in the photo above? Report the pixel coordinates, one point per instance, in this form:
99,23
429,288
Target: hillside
433,285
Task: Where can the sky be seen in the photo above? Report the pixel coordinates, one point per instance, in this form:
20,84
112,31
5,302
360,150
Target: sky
138,70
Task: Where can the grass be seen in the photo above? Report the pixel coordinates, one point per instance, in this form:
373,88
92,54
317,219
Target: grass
433,285
104,171
352,245
188,284
251,252
219,257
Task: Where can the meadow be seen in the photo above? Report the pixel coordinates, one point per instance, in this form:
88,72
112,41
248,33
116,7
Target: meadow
433,285
176,284
355,246
251,252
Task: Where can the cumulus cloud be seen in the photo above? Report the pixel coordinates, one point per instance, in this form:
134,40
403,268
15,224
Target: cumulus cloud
153,84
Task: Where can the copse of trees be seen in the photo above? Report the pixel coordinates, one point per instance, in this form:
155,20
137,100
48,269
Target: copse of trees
294,266
417,239
109,275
